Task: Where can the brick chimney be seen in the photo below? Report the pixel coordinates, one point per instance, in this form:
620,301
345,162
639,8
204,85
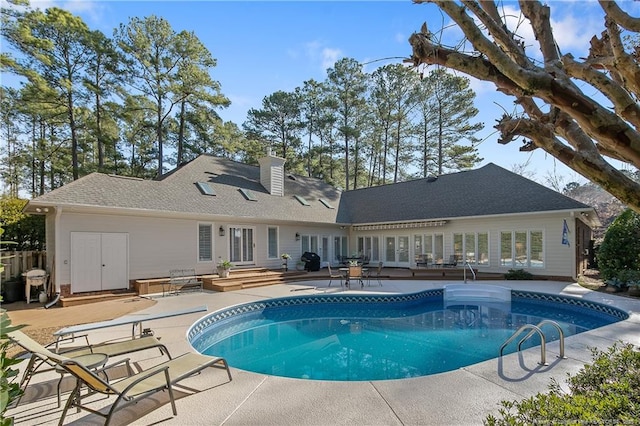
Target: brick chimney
272,173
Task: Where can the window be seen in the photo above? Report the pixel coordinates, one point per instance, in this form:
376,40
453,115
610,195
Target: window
428,246
370,248
522,249
506,258
301,200
340,247
205,188
309,243
472,247
417,244
272,242
433,247
248,194
458,248
536,249
326,203
205,242
483,248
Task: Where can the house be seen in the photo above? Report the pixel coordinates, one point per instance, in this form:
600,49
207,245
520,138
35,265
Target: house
103,231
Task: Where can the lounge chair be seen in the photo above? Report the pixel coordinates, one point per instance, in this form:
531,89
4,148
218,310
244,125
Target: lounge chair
42,356
137,386
333,275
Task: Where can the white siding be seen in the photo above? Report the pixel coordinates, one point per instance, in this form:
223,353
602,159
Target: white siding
156,245
559,259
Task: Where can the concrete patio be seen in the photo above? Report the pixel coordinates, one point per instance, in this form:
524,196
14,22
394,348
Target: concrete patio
462,397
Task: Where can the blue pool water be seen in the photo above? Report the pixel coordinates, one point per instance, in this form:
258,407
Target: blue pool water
380,337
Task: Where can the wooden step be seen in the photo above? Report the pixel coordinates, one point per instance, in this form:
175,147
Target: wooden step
94,298
240,281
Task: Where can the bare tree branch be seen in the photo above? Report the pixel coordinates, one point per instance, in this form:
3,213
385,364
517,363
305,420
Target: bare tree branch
621,17
577,129
624,105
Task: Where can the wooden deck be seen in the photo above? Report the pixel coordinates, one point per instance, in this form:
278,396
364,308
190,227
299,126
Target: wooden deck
242,278
437,273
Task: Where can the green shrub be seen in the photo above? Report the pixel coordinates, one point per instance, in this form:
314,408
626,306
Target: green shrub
620,249
9,388
615,282
26,231
604,392
629,277
518,274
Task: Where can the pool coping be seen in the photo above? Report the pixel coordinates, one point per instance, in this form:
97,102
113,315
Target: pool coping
464,396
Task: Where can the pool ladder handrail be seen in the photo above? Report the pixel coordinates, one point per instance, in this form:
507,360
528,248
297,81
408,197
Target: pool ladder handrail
543,341
464,271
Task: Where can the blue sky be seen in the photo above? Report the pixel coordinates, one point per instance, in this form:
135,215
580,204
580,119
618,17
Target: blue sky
263,46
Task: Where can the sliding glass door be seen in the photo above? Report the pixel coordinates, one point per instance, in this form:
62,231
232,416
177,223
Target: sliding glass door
241,245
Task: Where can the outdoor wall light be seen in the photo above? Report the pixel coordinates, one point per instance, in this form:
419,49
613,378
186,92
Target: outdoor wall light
221,231
297,236
39,210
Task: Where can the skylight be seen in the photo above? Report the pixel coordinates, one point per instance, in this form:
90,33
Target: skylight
326,203
205,188
248,194
301,200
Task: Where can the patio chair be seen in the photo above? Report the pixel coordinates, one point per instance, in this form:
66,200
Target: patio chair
137,386
333,275
42,356
355,273
375,274
452,263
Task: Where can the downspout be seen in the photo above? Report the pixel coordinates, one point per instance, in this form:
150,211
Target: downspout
56,257
573,239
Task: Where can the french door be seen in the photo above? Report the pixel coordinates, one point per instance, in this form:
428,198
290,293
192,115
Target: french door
396,251
325,252
318,244
241,245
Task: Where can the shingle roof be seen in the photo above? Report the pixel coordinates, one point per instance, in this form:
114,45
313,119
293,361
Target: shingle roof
178,192
489,190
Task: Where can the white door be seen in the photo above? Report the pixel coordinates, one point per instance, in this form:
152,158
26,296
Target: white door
99,261
86,262
114,261
396,251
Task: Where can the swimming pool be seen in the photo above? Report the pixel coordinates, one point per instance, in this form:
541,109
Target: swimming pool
353,337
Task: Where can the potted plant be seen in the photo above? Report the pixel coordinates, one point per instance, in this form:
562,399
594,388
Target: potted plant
285,261
223,268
